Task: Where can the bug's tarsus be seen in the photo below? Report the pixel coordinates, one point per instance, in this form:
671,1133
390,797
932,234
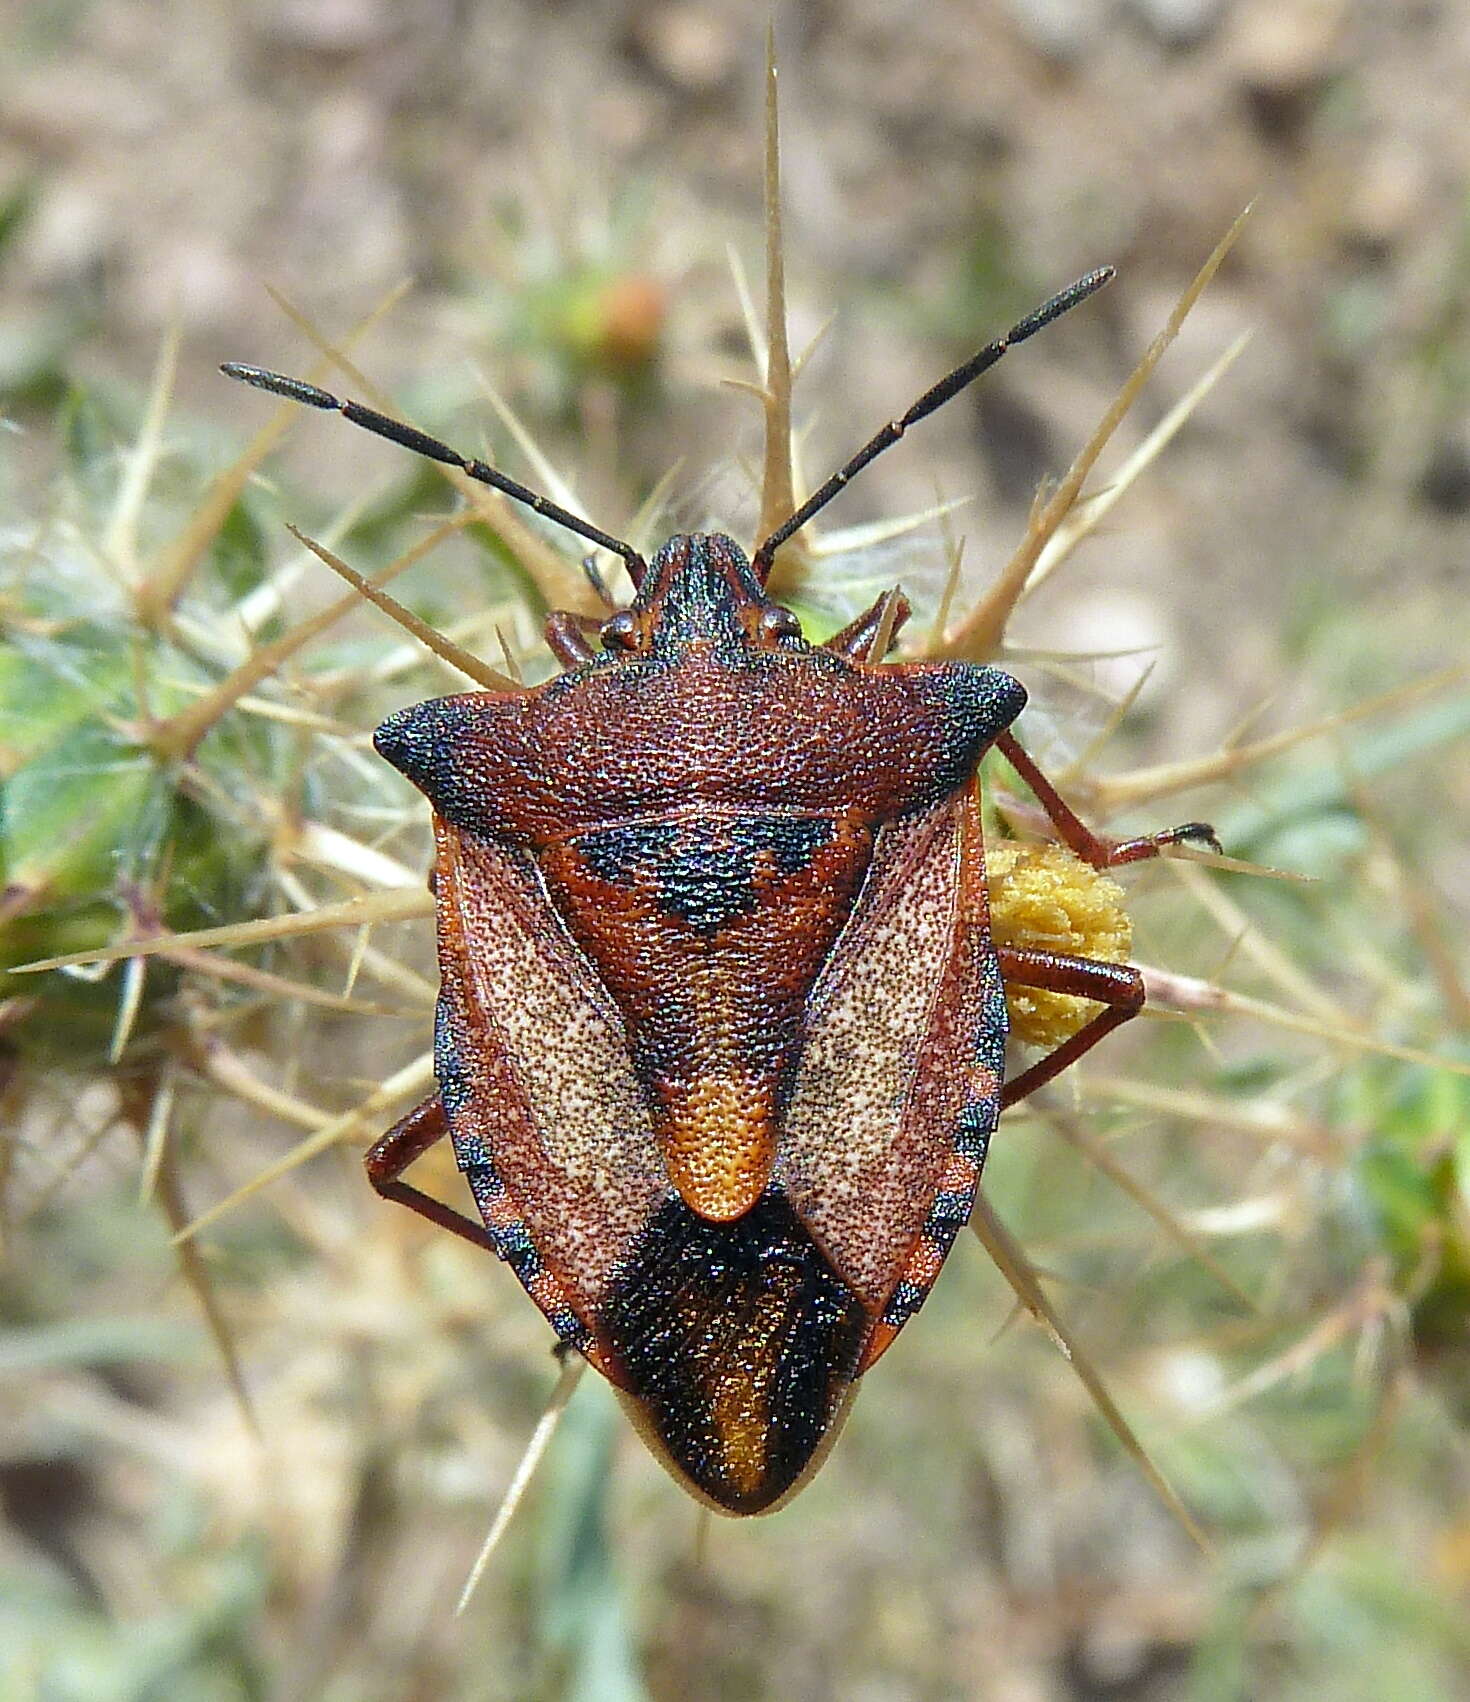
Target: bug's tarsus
1095,849
409,437
935,397
1136,850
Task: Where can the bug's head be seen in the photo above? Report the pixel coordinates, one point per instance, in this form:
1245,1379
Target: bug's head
700,590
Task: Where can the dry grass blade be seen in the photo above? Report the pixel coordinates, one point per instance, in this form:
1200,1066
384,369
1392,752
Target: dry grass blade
1075,1134
572,1367
1189,995
262,981
979,635
444,648
120,541
1423,908
1086,517
159,592
1145,785
396,906
195,1272
1025,1283
561,585
778,497
1260,1122
177,736
404,1084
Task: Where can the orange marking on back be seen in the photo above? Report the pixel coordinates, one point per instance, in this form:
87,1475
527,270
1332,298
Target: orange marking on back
718,1136
880,1340
740,1402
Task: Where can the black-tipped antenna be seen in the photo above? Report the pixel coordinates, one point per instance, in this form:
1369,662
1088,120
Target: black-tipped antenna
926,404
298,390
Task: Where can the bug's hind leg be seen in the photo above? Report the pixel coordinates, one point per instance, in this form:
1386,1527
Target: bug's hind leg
1095,848
409,1138
1118,987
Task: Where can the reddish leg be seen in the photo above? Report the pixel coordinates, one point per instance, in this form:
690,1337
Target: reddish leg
408,1139
1118,987
857,638
1094,848
569,637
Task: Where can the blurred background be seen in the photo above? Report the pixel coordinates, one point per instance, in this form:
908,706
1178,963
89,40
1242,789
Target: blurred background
1256,1224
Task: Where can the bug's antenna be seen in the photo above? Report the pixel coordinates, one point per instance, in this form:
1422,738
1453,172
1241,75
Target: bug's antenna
932,398
298,390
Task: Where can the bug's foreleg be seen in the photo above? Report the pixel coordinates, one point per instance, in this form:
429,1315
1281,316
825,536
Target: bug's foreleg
1118,987
859,638
569,637
1094,848
409,1138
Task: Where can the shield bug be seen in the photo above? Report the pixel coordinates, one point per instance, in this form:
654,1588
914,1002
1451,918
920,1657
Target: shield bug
720,1040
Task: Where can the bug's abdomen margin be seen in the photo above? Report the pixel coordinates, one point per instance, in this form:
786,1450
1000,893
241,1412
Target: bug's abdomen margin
737,1344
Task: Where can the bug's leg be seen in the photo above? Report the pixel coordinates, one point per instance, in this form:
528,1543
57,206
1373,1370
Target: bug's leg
1095,848
409,1138
593,575
857,638
570,637
1118,987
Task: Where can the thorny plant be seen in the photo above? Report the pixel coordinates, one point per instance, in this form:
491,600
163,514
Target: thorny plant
244,730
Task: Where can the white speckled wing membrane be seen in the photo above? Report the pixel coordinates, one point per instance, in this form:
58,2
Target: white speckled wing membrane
546,1090
887,1064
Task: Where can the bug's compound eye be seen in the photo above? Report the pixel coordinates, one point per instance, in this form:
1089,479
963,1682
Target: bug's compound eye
620,632
777,623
